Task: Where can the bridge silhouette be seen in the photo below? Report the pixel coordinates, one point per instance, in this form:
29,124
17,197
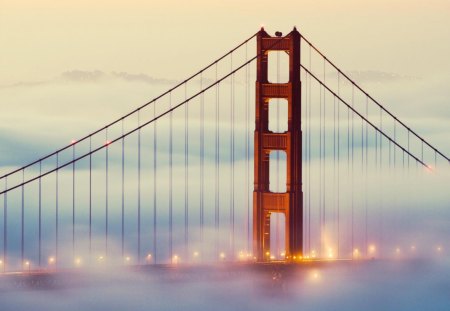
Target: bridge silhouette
171,181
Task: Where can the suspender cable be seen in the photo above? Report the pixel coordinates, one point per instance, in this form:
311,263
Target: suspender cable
408,148
338,169
202,165
155,176
139,190
232,162
353,172
90,198
106,192
309,157
320,175
186,172
395,139
334,161
307,162
422,151
247,144
170,181
5,226
123,194
57,209
381,182
40,214
324,156
366,181
22,227
349,179
217,183
73,201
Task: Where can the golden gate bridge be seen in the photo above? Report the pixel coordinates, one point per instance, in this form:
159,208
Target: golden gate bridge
171,181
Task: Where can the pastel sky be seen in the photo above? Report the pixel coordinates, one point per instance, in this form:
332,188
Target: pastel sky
59,59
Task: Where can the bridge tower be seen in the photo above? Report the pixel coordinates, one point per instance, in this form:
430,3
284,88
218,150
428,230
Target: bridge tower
266,202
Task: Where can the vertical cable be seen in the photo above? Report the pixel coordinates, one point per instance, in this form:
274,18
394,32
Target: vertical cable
408,148
155,176
352,170
334,158
73,200
217,183
22,227
123,192
366,180
40,213
247,144
139,188
381,180
186,171
106,192
90,197
324,147
5,225
307,162
57,209
422,151
232,161
320,175
309,155
338,169
202,155
324,154
395,139
170,180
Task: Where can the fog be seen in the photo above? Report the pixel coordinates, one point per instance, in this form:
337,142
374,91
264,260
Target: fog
359,285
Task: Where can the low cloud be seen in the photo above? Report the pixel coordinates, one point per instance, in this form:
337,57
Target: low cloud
92,76
375,76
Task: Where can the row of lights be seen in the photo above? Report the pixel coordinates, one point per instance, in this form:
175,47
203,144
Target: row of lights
241,256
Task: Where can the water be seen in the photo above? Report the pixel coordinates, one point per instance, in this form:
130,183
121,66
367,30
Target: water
370,285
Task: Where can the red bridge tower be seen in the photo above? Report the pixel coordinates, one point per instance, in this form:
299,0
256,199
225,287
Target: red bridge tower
266,202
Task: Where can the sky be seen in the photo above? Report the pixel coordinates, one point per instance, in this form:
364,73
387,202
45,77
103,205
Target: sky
60,60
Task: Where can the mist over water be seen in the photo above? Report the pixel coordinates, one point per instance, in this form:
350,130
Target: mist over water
358,285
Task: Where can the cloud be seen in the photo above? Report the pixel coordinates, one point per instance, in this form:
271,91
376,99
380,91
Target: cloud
374,76
91,76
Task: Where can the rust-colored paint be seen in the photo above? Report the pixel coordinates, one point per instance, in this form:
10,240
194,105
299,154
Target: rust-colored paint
265,202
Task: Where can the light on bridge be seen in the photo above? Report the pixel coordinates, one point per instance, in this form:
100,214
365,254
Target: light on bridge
356,253
73,141
27,265
101,259
196,254
372,249
175,259
222,256
127,259
77,262
51,260
148,258
439,249
330,253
